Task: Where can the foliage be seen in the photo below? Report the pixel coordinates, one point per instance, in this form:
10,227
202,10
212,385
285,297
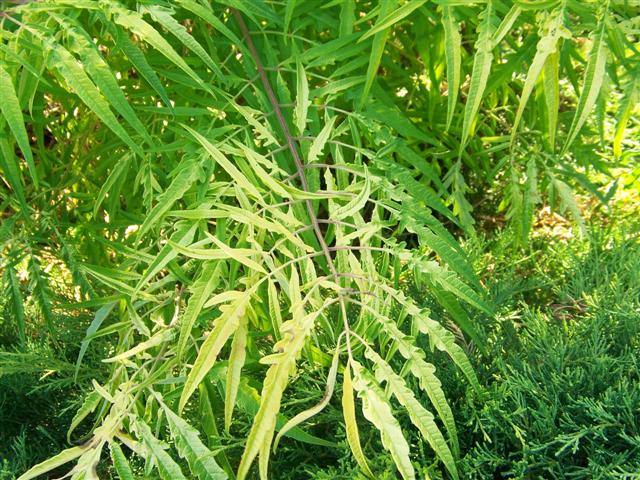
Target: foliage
38,400
562,396
236,194
561,365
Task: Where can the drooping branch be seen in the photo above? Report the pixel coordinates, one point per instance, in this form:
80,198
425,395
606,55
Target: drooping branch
289,138
295,154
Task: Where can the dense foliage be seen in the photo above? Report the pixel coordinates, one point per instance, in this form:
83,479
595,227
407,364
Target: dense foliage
214,216
562,381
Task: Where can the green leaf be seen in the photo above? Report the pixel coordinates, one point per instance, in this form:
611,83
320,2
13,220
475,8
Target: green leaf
418,192
119,168
74,74
190,447
167,467
207,15
123,469
11,172
337,86
139,61
320,141
134,22
288,13
429,383
392,18
529,5
445,341
41,291
480,72
387,7
106,276
101,74
452,47
450,254
188,172
10,108
453,307
452,283
593,78
163,17
17,303
568,202
347,14
254,9
391,116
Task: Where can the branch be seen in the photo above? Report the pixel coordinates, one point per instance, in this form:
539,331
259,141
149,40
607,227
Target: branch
290,140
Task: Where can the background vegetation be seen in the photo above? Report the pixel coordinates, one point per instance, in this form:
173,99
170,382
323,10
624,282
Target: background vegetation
350,239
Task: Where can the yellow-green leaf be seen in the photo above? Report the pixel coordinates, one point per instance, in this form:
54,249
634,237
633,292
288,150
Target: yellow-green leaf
627,105
236,362
201,289
302,99
158,339
351,425
294,333
224,326
167,466
320,141
190,447
53,462
229,167
187,173
420,416
551,32
317,408
377,410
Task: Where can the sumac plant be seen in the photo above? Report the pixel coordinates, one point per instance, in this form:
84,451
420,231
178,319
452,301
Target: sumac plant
242,190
